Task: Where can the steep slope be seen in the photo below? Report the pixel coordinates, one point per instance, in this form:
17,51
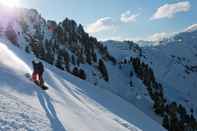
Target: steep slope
174,63
70,104
167,69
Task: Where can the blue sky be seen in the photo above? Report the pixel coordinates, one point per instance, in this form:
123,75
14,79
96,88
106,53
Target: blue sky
121,19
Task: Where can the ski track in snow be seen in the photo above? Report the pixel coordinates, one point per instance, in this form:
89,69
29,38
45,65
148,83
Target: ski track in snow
44,100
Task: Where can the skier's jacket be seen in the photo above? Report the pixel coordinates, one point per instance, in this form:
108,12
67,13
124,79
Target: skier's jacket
38,67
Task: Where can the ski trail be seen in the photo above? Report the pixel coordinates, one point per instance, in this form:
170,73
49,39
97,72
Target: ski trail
75,93
45,102
84,104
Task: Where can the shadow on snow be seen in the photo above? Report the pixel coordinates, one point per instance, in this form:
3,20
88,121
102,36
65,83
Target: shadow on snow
45,102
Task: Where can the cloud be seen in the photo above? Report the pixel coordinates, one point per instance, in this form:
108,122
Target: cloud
154,37
101,24
119,38
127,17
159,36
169,10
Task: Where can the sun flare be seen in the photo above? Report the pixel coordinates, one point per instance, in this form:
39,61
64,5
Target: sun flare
10,3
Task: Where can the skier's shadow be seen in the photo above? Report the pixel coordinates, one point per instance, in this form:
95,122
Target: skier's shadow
45,102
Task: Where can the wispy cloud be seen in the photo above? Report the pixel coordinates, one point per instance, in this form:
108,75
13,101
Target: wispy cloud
169,10
128,17
159,36
101,24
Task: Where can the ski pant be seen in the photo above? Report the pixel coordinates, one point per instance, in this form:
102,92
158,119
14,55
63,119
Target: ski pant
37,77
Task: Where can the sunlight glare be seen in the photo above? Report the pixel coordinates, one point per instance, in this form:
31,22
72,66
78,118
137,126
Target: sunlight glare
10,3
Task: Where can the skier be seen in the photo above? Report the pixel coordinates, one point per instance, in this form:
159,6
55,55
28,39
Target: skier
38,70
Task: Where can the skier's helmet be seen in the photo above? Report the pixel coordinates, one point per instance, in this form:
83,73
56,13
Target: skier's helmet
36,60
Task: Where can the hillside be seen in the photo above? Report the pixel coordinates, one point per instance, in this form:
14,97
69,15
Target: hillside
174,63
70,103
168,67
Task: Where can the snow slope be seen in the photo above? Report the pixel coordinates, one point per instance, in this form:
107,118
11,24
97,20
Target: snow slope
174,62
171,62
121,50
69,104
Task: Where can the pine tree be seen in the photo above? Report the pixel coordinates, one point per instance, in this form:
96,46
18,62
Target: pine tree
159,105
131,74
59,62
88,57
66,58
82,74
165,122
75,71
193,123
182,112
103,70
73,60
174,123
94,57
80,29
27,49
